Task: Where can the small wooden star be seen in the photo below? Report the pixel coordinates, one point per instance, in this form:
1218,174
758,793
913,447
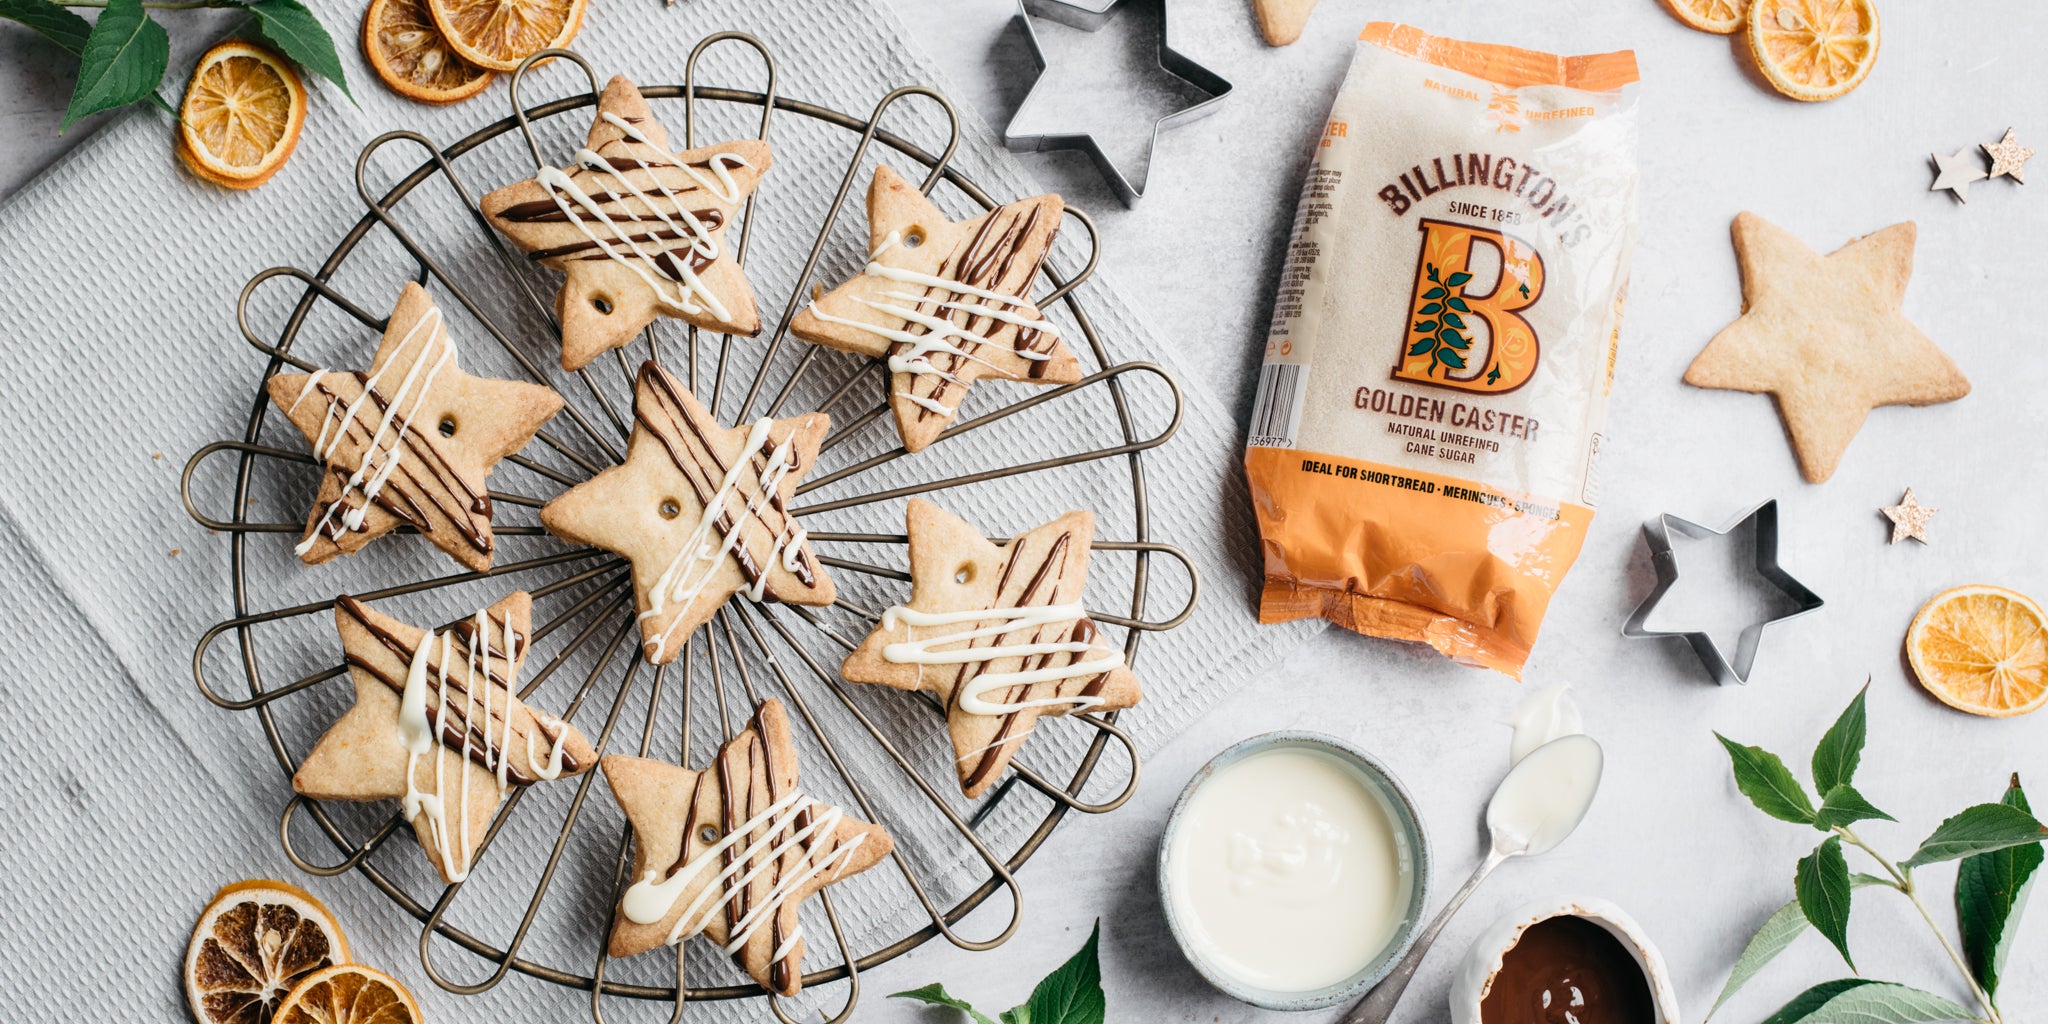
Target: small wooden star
746,827
955,570
1955,173
1909,518
483,728
2008,157
410,442
701,510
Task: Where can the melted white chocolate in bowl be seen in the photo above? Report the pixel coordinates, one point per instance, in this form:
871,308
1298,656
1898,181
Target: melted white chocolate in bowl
1287,871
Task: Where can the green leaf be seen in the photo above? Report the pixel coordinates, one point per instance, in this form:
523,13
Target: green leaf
1431,267
1787,924
1455,320
1835,760
1979,829
123,60
1991,891
55,23
1459,305
1822,884
1454,339
1493,375
1071,994
1433,293
935,995
289,26
1458,279
1805,1003
1768,783
1451,358
1876,1002
1430,310
1425,327
1422,347
1844,806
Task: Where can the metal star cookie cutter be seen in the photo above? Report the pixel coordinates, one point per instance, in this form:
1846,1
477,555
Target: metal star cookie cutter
1658,535
1090,15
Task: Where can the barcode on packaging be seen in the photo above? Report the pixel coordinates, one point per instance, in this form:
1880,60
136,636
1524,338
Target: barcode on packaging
1276,414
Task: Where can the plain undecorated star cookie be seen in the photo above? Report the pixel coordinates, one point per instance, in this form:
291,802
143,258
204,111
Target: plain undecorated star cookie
437,725
1825,337
998,633
701,510
409,443
732,852
945,303
638,230
1281,21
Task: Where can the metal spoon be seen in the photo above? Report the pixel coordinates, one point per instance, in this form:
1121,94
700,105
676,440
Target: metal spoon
1508,841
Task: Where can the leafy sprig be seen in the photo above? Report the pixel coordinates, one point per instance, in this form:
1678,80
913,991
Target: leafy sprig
1999,845
1071,994
1440,334
122,57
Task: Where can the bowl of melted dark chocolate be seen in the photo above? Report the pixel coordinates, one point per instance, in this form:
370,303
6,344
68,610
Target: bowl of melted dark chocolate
1564,961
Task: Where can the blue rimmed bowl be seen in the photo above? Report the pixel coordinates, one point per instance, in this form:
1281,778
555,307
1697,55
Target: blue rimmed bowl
1412,843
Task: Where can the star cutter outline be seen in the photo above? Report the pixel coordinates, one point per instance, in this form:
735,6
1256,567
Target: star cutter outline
1089,16
1657,534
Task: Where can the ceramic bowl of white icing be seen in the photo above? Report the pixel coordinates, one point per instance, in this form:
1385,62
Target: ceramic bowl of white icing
1475,976
1213,829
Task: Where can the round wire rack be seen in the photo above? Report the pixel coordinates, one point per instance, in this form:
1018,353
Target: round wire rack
746,646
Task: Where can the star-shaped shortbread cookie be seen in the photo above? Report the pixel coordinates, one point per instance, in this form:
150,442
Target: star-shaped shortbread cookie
998,633
731,852
409,443
944,303
701,510
1824,336
639,230
466,739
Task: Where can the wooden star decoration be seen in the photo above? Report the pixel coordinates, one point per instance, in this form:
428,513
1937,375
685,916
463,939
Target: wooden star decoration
638,231
1956,171
1825,337
732,852
945,303
486,738
701,510
2008,157
409,443
1909,518
956,573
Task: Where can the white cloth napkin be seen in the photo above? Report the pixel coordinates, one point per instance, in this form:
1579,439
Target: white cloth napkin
135,798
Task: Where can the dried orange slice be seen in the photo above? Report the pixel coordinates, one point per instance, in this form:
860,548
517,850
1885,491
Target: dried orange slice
241,115
410,55
348,994
1813,49
1982,649
253,943
498,34
1721,17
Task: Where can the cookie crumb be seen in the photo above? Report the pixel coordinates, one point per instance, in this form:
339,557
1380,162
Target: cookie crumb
174,552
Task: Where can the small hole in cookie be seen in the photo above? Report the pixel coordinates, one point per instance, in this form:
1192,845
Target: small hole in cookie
963,574
447,426
602,305
670,508
913,238
708,834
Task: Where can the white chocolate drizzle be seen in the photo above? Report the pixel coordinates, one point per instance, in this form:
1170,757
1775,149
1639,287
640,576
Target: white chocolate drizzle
971,698
381,455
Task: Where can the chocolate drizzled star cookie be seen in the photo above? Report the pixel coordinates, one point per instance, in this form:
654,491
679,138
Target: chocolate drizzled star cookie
998,633
638,230
945,303
409,443
438,726
731,852
701,510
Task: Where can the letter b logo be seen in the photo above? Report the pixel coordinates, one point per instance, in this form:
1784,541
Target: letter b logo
1463,330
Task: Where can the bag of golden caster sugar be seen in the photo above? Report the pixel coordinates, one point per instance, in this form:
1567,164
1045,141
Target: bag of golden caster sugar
1424,446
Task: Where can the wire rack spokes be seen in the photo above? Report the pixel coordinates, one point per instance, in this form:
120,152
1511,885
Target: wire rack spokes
748,651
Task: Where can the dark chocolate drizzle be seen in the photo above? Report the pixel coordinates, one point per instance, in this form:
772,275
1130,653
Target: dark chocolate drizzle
615,202
483,745
447,495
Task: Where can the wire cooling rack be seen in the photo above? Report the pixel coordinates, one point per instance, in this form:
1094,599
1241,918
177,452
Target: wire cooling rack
745,646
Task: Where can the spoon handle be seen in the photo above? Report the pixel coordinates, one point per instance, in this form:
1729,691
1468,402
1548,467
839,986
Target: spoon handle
1378,1005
